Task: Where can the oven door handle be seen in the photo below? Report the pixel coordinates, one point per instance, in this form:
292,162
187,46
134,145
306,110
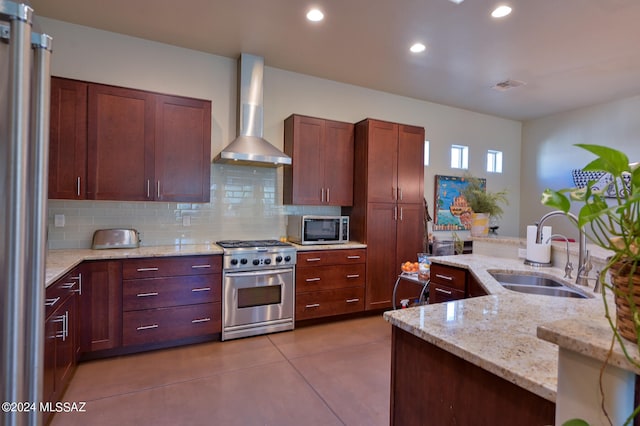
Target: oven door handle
258,273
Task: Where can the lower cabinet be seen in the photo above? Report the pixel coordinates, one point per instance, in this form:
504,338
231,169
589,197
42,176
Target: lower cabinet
330,282
100,306
173,298
450,283
60,347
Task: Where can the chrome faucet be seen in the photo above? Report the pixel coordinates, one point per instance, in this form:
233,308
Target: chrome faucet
568,267
582,278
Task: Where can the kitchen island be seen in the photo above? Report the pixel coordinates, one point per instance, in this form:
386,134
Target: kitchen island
485,351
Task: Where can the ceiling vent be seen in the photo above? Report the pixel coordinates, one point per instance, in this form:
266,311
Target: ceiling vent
508,84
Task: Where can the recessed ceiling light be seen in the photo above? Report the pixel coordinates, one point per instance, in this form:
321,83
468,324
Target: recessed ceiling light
456,1
501,11
315,15
418,47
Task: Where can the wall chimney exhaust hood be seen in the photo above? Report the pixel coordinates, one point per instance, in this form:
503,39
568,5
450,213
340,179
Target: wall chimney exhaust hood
249,148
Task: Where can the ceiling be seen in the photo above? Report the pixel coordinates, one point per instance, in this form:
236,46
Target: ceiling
570,53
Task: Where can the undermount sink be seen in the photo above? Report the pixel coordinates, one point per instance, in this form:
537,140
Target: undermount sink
535,284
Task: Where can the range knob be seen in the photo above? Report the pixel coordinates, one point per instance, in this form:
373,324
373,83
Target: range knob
234,261
256,261
267,261
287,258
278,259
243,261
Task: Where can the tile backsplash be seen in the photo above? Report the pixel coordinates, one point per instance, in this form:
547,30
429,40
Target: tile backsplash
246,203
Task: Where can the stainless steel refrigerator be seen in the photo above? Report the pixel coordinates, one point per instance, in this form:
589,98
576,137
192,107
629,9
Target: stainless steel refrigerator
24,139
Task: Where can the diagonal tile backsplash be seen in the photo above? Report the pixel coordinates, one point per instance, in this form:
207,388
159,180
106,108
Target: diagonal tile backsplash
246,203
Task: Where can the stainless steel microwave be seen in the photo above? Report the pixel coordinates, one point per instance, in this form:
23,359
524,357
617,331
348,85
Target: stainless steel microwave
318,229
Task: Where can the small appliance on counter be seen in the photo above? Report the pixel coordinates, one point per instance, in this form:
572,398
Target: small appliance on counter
309,229
115,238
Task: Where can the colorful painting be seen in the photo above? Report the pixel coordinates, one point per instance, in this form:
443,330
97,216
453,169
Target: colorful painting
451,210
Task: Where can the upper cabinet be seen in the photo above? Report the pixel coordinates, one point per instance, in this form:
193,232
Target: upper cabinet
139,146
68,139
321,172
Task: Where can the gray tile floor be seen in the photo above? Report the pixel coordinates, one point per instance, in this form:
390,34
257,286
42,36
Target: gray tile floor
329,374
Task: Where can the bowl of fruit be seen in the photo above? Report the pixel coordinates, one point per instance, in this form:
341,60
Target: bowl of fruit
409,267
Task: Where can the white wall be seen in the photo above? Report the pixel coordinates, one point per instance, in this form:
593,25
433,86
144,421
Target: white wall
548,154
99,56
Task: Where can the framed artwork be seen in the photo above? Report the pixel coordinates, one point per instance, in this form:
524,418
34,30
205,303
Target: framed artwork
451,212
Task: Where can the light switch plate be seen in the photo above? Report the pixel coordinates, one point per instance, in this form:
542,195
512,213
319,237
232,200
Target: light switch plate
522,253
186,220
58,221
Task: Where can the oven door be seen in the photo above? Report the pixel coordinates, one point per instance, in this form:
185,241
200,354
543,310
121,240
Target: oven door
258,300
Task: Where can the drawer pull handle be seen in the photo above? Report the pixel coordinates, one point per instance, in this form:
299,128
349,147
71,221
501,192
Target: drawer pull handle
443,291
353,257
352,300
353,276
444,277
155,293
201,289
200,266
51,302
310,280
147,327
68,286
315,305
314,259
147,269
195,321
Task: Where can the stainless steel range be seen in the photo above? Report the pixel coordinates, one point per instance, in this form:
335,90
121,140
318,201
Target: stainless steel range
258,287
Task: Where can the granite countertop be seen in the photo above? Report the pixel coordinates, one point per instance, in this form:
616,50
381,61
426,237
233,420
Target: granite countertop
59,262
499,332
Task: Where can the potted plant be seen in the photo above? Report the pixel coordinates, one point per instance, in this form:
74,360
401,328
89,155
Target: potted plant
483,203
613,224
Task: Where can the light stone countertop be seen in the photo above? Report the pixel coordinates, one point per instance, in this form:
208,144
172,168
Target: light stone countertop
499,332
59,262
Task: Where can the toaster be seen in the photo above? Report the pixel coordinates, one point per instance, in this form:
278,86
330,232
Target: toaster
115,238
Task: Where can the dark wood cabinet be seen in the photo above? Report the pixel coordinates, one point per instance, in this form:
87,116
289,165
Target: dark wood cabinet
166,299
115,143
447,283
60,347
121,138
100,306
321,172
182,149
329,282
68,139
432,386
388,210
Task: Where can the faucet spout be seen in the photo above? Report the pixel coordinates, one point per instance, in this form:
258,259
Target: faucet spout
582,240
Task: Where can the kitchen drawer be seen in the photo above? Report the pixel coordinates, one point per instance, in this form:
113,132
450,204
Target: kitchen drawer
153,267
329,302
331,257
170,291
449,276
57,292
439,293
165,324
329,277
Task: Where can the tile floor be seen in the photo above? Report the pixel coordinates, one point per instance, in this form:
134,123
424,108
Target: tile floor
329,374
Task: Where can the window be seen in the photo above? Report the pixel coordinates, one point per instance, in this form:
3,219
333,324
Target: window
459,157
494,161
426,153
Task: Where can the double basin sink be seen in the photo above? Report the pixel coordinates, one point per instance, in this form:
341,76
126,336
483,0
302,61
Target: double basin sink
535,284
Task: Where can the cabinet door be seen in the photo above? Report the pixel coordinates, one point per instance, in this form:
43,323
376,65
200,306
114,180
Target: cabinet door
410,233
304,179
101,306
182,149
381,243
65,318
68,139
439,293
410,164
338,163
120,144
382,162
